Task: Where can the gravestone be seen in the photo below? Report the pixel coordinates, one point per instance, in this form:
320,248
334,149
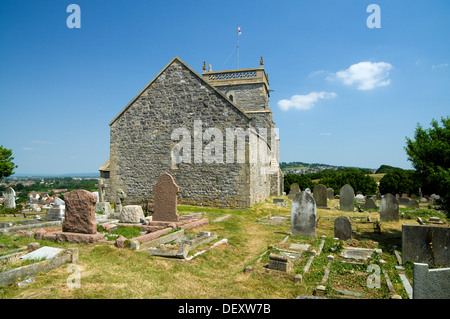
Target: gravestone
430,283
320,195
294,190
10,198
347,198
369,203
343,228
413,203
426,244
330,193
388,208
359,198
308,190
303,215
404,201
80,212
131,214
165,206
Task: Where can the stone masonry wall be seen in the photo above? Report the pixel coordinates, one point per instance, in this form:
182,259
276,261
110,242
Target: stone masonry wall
141,144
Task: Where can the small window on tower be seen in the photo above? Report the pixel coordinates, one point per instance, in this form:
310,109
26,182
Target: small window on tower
231,97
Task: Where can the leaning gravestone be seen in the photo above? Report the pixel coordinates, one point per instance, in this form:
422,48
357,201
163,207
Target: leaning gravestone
10,198
342,228
389,208
80,212
320,195
165,206
294,190
303,215
347,198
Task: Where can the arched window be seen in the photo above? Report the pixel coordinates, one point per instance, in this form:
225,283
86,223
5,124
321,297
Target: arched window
231,97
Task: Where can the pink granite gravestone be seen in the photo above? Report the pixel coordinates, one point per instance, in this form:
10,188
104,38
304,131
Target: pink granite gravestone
165,206
80,212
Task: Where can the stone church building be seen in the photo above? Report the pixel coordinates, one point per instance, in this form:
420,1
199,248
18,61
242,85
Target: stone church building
188,125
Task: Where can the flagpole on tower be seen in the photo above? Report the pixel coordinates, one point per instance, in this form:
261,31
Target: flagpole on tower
238,33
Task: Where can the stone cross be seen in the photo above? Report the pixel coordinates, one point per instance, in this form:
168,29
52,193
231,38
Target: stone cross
10,198
101,189
165,206
320,195
303,215
80,212
388,208
347,198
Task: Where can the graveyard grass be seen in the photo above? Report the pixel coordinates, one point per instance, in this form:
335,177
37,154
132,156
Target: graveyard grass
108,272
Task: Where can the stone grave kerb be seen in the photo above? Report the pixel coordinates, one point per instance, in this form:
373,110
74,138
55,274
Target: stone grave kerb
165,199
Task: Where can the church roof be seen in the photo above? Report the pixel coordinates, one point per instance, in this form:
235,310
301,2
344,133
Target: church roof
195,74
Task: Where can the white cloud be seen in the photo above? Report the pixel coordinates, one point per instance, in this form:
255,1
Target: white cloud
27,148
42,142
438,66
304,102
365,75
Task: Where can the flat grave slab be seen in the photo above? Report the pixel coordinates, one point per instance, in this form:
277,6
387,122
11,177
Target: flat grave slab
358,253
43,252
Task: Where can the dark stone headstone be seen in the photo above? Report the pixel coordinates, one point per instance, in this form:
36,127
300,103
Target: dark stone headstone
388,208
426,244
342,228
320,195
303,215
294,190
347,198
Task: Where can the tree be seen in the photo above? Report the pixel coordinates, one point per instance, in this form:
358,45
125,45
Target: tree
429,153
303,181
352,176
6,163
399,181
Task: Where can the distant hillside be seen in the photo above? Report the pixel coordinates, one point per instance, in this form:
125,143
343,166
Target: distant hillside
386,169
308,168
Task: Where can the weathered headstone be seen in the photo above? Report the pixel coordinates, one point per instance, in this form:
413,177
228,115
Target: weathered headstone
131,214
294,190
389,208
320,195
369,203
347,198
404,201
303,215
80,212
413,203
165,206
104,207
342,228
359,198
330,193
426,244
430,283
10,198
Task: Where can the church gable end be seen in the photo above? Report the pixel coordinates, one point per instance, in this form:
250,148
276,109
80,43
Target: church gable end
142,141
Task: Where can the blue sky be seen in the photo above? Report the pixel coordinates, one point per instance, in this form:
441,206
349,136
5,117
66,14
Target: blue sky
344,93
